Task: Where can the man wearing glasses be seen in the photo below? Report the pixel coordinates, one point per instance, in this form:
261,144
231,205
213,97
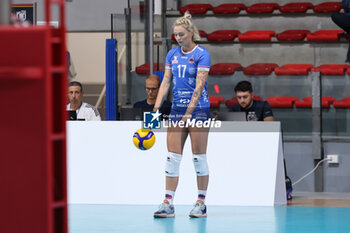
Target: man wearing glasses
152,84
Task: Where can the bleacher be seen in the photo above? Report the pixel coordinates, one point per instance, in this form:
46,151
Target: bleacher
277,46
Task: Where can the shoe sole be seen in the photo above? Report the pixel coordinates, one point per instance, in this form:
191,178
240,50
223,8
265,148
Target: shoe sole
198,216
164,216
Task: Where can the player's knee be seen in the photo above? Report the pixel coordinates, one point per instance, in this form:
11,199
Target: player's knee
172,166
201,164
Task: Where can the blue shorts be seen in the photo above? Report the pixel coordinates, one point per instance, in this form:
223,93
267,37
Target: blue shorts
200,115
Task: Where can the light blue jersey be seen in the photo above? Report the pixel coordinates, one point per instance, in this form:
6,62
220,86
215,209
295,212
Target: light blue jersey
184,67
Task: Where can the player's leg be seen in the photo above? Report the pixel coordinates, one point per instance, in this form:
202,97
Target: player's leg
199,141
176,138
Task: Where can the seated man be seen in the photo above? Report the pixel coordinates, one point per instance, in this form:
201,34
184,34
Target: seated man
256,110
342,19
84,111
152,84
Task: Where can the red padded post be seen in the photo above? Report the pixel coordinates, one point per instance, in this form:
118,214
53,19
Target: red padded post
33,85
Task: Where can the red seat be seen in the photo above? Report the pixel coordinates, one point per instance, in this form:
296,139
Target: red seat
233,101
201,34
225,68
228,8
196,8
223,35
281,101
332,69
256,36
324,35
343,103
295,7
326,7
307,102
260,69
294,69
259,8
144,69
215,101
292,35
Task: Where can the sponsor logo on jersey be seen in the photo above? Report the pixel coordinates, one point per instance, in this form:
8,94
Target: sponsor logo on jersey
190,81
192,71
184,101
174,61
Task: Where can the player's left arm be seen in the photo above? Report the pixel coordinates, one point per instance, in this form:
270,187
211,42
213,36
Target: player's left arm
269,118
201,79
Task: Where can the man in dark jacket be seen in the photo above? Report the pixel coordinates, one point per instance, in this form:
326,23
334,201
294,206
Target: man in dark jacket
342,19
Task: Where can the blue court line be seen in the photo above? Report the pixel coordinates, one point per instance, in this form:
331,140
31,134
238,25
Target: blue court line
139,218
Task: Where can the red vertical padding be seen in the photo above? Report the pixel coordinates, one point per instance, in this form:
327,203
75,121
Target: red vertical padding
33,85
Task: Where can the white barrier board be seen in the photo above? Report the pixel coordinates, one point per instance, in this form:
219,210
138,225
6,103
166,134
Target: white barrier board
104,166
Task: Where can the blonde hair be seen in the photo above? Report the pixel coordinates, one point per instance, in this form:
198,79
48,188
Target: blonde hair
186,22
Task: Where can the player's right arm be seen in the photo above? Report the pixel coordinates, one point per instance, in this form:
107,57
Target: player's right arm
163,89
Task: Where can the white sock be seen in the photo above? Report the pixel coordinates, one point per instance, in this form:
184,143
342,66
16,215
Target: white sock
169,196
202,194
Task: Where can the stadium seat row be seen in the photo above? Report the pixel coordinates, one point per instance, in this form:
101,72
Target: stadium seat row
263,69
262,8
284,102
267,35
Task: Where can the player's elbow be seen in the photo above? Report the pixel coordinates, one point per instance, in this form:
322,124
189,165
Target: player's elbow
269,118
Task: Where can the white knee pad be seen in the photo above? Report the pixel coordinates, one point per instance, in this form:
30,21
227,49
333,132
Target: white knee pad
172,165
201,164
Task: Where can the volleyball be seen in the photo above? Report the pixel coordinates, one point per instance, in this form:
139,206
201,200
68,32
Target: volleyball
144,139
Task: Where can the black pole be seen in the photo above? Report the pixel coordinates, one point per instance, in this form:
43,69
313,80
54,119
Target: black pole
158,57
112,26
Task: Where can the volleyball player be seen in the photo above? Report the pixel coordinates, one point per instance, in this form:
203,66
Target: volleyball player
187,66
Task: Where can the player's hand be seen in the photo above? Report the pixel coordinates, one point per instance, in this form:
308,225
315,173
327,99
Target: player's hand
186,117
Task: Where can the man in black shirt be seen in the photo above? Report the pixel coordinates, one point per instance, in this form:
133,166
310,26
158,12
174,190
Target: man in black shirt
152,84
256,110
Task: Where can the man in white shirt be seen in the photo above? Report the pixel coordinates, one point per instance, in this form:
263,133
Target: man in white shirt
84,110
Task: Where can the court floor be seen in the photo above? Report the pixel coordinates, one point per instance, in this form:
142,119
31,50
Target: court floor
138,218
